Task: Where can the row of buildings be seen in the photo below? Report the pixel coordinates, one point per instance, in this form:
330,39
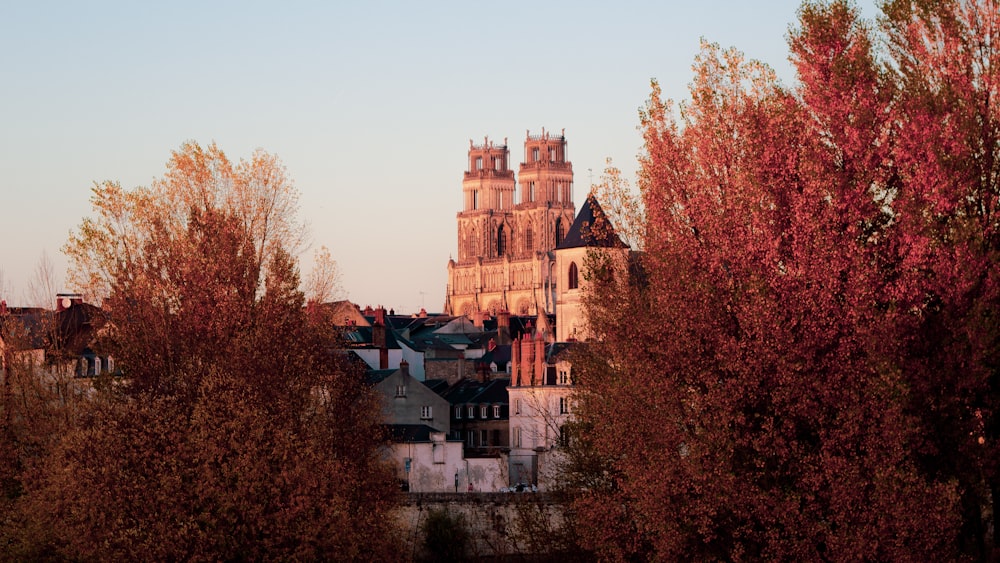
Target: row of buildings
475,398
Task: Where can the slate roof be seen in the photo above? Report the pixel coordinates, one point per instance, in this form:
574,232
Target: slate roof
473,391
499,355
591,228
400,433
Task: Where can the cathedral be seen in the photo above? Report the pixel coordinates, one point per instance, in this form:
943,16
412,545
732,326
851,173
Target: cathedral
507,232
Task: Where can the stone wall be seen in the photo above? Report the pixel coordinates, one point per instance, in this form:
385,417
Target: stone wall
499,525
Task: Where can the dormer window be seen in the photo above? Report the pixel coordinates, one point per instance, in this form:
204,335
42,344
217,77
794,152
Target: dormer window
472,412
458,412
426,412
496,411
482,411
401,390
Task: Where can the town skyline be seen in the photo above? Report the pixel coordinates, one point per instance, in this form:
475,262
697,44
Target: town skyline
370,109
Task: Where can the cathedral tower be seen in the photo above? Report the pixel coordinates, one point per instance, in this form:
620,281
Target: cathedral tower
505,238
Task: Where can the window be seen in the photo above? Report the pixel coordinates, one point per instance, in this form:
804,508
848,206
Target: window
496,411
475,199
517,437
501,241
531,191
529,240
563,436
401,390
426,412
472,411
482,411
517,406
563,405
552,155
97,365
574,276
458,412
534,154
559,234
479,163
471,438
483,440
111,364
563,377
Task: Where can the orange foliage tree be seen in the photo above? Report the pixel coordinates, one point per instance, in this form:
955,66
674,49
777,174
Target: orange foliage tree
803,365
235,433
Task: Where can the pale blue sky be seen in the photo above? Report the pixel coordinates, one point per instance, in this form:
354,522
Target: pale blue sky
370,105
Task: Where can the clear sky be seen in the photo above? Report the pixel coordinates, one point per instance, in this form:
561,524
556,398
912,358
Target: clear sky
370,105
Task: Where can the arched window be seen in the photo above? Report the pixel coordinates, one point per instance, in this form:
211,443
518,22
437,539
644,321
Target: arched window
574,276
529,240
559,235
501,241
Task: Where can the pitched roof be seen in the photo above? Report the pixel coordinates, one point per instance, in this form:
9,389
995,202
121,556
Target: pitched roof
591,228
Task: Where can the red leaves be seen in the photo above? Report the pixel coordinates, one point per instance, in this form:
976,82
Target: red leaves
818,320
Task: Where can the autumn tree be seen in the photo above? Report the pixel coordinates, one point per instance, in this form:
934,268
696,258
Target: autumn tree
235,433
945,61
763,384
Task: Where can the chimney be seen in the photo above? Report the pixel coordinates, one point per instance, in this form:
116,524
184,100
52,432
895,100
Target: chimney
539,376
527,359
515,362
423,313
477,318
404,366
3,308
379,339
503,327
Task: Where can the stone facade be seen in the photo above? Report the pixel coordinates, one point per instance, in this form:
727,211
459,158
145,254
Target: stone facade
505,236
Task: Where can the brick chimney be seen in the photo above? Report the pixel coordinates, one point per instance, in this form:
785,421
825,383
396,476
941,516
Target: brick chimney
515,362
503,327
379,339
539,376
404,366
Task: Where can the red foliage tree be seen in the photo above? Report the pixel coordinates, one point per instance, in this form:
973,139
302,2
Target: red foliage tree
806,366
235,434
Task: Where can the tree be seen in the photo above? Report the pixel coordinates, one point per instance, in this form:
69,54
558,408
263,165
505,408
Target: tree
948,153
235,434
323,283
747,395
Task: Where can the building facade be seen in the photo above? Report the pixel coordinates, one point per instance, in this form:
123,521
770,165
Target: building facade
507,232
